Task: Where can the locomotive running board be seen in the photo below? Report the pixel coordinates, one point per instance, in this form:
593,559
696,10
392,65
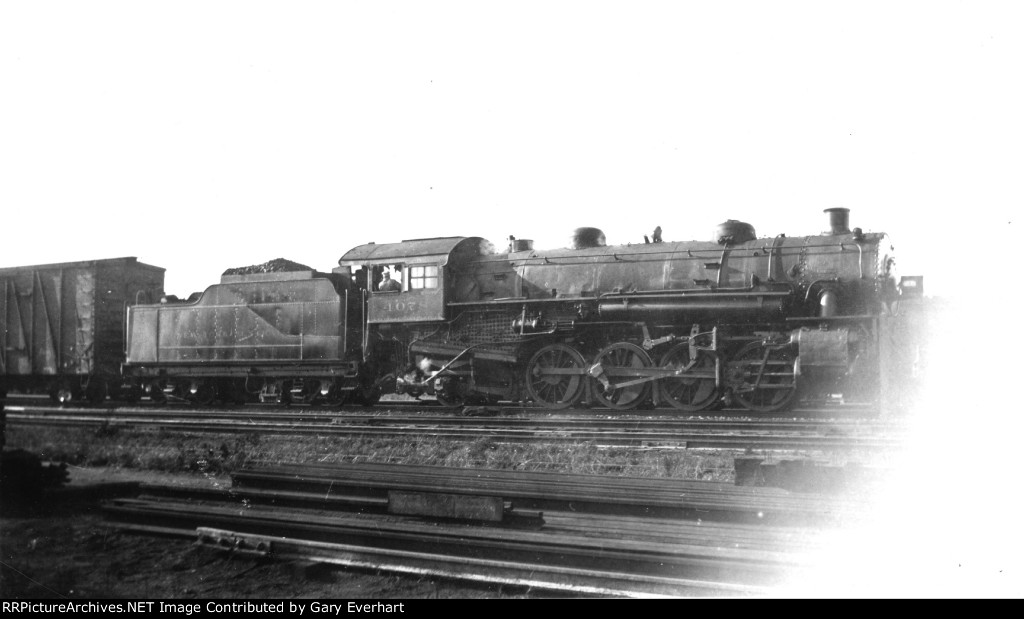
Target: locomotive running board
448,351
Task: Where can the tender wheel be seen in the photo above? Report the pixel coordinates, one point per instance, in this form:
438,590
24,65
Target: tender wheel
205,394
311,393
335,397
96,391
65,392
693,390
618,366
555,376
131,394
156,393
776,388
285,393
232,392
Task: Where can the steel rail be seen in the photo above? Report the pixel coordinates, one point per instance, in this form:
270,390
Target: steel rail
519,574
636,437
691,433
566,549
670,530
530,420
855,411
542,490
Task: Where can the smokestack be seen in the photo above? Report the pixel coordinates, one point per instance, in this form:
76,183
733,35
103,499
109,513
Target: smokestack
838,220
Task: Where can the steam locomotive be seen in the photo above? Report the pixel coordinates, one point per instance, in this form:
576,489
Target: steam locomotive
690,325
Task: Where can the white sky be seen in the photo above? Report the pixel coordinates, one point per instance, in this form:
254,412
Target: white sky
200,136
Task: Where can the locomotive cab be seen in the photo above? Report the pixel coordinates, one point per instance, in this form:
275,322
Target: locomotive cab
408,282
407,291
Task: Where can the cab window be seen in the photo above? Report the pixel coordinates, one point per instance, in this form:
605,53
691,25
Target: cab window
421,277
387,278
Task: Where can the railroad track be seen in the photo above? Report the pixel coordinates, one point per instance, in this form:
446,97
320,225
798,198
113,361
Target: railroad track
520,426
596,536
829,411
492,416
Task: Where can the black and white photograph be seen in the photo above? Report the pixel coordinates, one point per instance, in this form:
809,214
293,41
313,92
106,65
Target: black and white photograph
345,307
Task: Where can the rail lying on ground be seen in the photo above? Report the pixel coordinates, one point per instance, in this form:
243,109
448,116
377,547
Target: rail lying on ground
370,484
598,535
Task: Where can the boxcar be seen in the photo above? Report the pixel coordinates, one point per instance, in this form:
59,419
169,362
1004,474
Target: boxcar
62,325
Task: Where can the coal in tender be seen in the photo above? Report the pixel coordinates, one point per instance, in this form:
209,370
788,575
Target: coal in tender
277,265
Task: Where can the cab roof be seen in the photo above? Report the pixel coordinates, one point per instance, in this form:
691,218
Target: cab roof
433,251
